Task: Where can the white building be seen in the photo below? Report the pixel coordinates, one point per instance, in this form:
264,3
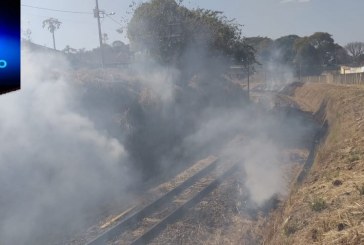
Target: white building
351,70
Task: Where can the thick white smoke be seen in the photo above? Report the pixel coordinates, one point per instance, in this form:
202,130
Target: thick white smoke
55,166
252,148
264,170
58,168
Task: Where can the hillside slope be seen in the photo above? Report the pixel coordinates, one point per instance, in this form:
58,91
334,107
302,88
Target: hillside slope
328,207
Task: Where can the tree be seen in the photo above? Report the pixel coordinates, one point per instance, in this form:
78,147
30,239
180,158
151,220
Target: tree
361,59
325,47
119,46
166,30
284,49
105,38
355,49
52,25
69,50
117,43
148,30
307,58
263,47
341,55
27,34
316,53
320,40
81,50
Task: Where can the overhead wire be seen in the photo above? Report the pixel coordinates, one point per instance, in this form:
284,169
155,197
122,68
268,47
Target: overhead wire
69,20
56,10
117,22
71,12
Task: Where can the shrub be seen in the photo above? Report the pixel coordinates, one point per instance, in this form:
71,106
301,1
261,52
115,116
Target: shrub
290,228
318,204
354,157
360,189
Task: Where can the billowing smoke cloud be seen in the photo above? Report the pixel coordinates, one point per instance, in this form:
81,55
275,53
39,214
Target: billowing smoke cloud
273,71
257,139
55,167
59,166
278,75
264,170
156,80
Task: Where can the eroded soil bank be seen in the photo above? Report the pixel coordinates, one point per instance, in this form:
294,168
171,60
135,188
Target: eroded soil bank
327,208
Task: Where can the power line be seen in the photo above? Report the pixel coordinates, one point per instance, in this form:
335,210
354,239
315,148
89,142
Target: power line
117,22
39,16
56,10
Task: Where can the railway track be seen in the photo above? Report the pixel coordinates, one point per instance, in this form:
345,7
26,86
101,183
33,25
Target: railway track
146,223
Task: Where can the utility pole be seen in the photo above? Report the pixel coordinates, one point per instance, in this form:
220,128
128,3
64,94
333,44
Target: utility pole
97,15
300,74
248,80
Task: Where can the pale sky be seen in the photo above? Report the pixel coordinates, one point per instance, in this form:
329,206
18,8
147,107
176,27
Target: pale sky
343,19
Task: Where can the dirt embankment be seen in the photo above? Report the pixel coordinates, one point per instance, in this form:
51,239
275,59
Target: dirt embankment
328,206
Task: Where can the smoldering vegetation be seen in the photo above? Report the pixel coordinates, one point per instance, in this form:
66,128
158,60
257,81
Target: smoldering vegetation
75,144
168,123
76,141
158,115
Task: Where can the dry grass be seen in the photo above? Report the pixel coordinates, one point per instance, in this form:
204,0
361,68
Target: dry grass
224,217
215,220
328,208
183,176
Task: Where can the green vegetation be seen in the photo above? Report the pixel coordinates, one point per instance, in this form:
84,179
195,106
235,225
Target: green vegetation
170,33
167,31
305,55
318,204
117,53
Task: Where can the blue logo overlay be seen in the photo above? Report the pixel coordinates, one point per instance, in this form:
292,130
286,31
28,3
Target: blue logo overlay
3,64
9,45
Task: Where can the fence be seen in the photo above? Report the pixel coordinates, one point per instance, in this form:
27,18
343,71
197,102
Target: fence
356,78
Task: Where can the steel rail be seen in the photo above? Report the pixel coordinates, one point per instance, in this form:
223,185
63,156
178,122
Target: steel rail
180,211
131,221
